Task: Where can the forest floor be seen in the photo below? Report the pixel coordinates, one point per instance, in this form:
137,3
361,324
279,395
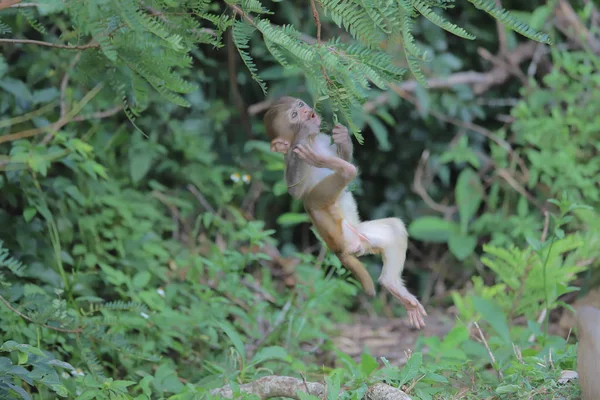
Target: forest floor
391,338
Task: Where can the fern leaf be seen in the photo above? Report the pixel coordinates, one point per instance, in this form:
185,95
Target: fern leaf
440,21
29,15
15,266
241,33
504,16
4,28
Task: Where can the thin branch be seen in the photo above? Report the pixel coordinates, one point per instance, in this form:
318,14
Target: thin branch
58,124
28,318
48,44
419,189
64,83
315,13
201,199
285,386
100,114
26,117
501,33
487,347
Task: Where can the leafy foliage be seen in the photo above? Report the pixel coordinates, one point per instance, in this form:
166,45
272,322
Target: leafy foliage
141,265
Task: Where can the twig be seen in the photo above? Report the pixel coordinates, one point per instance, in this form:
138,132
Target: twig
174,212
100,114
65,82
58,124
501,33
276,324
504,174
540,319
419,189
546,224
201,199
487,347
315,13
48,44
27,318
26,117
63,92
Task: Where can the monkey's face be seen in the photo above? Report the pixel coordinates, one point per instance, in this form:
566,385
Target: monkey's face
301,113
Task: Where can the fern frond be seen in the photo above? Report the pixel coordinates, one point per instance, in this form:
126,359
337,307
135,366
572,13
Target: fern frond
6,261
120,305
254,6
4,28
29,15
440,21
105,41
355,20
504,16
241,33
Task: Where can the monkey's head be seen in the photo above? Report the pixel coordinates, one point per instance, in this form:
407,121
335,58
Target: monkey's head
285,118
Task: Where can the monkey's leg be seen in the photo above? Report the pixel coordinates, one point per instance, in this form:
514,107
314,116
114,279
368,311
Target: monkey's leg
389,237
328,223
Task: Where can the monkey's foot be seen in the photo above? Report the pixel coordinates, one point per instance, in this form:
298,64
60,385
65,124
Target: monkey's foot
414,308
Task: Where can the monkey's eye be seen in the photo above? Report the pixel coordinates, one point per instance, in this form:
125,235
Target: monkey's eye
294,114
301,104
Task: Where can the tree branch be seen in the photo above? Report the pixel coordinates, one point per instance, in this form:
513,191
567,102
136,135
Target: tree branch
285,386
48,44
56,125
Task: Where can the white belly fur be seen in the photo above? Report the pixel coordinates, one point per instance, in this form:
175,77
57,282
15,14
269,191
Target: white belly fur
322,145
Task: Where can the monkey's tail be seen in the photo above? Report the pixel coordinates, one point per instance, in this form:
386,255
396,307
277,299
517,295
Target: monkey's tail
359,271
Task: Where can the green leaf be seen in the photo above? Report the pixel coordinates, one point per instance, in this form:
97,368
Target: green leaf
235,338
411,368
469,194
431,229
61,390
291,219
139,164
492,313
29,213
380,132
462,246
506,389
22,357
141,279
89,394
270,353
368,364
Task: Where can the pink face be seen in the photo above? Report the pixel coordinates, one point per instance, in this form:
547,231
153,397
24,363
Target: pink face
300,112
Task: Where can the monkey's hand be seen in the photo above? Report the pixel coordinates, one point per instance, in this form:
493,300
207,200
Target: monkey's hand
280,145
307,154
340,135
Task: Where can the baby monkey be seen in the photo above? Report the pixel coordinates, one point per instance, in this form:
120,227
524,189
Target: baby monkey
318,173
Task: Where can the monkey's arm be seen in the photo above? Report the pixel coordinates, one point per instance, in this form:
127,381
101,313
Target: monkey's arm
343,141
296,174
